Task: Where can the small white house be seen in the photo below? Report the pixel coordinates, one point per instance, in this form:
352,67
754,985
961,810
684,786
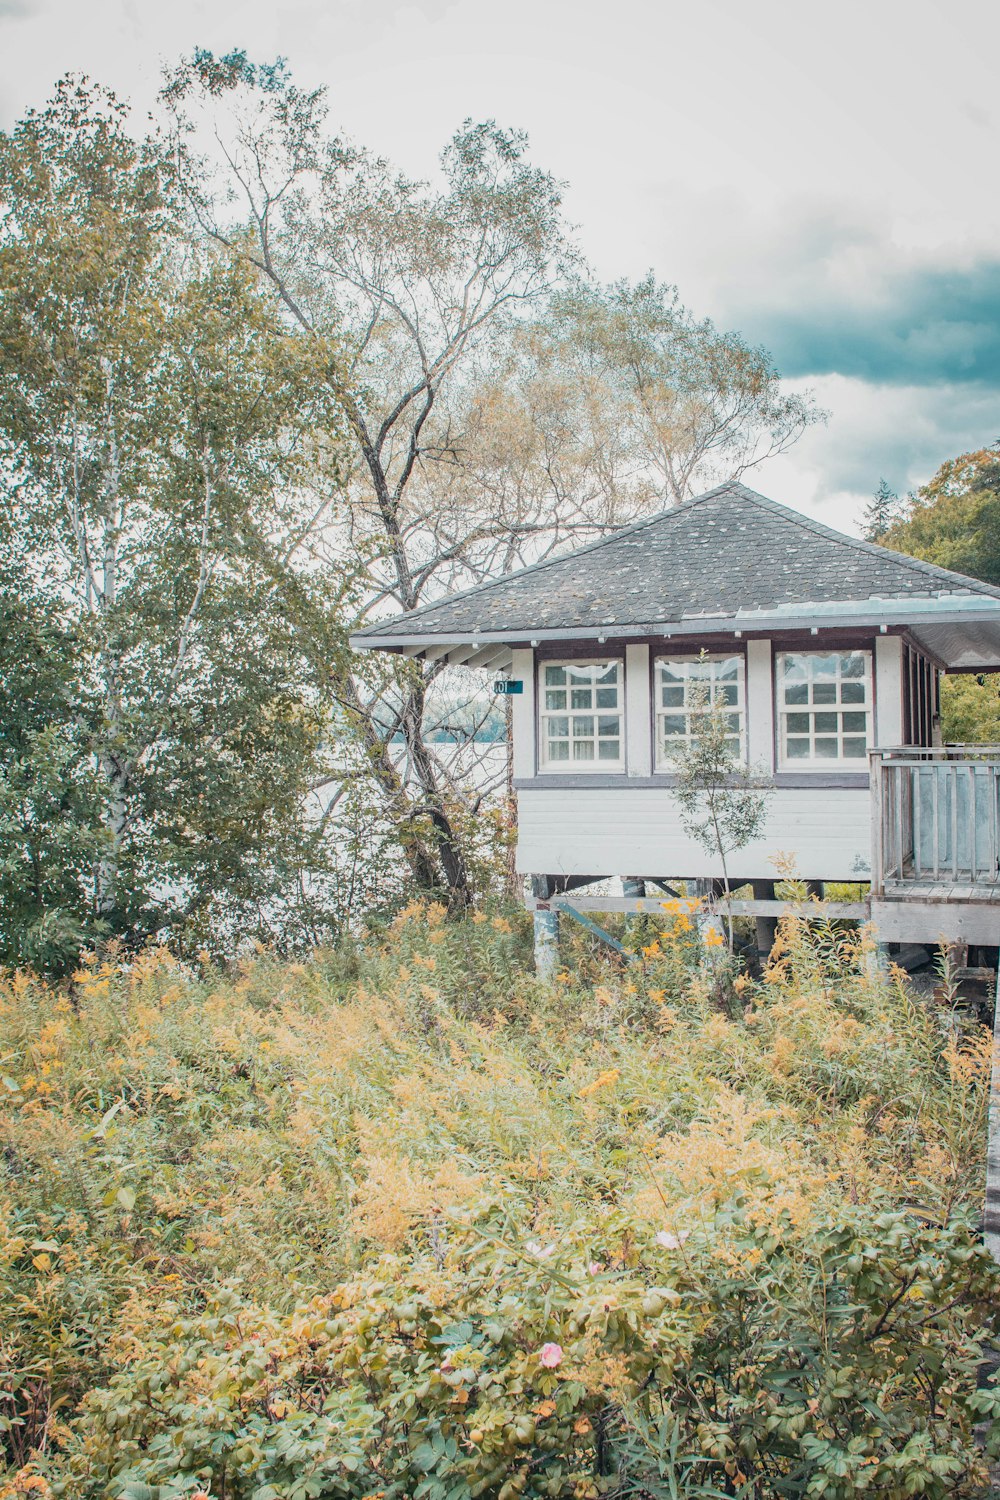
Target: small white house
827,652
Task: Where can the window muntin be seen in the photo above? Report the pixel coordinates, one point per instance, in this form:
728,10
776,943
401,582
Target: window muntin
824,707
582,718
685,686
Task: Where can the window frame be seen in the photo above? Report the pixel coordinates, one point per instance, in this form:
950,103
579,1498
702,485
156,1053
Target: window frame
570,767
664,765
813,763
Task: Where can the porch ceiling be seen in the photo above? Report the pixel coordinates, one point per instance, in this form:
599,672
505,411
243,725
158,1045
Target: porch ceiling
966,646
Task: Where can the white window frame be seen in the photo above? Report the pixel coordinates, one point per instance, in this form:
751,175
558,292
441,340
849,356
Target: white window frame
569,766
837,709
664,762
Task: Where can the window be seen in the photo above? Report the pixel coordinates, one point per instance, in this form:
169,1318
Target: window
824,706
581,716
686,686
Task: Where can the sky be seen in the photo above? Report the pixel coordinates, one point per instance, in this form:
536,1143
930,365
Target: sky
820,178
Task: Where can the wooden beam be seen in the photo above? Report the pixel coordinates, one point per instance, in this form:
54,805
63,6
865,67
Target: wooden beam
812,911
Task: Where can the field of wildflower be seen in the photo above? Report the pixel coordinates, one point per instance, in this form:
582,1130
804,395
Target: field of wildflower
402,1221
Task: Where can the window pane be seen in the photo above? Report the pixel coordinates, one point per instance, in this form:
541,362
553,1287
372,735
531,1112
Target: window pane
672,671
555,698
674,723
558,750
608,724
824,692
672,697
583,749
825,666
554,676
797,723
580,698
794,668
797,692
854,723
608,749
797,749
826,749
583,726
558,728
730,667
610,674
853,665
727,693
607,697
825,723
581,675
855,749
852,692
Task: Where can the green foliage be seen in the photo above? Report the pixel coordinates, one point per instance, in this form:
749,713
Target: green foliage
954,521
402,1221
156,423
50,828
881,513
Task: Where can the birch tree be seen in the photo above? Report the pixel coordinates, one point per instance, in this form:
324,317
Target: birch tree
156,424
414,280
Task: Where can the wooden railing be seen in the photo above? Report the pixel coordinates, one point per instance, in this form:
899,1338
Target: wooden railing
935,815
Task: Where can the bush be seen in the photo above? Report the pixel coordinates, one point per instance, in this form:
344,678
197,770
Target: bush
402,1221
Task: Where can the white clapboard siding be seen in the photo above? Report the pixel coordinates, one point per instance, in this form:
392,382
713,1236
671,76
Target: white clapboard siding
636,831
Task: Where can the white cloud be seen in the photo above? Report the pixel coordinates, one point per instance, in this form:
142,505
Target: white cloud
789,166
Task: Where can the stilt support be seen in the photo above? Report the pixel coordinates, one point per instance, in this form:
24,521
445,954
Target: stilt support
546,944
767,927
633,889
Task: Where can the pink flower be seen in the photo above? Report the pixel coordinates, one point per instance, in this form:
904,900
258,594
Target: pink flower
541,1252
551,1355
672,1241
595,1267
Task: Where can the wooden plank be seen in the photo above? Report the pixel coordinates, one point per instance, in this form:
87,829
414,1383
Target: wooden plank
935,921
813,911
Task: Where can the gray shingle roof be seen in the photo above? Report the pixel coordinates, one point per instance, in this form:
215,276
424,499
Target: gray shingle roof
721,554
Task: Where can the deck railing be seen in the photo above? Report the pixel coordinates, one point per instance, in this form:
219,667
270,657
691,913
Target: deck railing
935,815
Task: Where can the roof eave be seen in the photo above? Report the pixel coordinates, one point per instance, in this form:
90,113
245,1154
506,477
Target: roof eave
805,616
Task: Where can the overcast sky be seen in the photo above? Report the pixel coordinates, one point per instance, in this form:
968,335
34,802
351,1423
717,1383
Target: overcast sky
821,178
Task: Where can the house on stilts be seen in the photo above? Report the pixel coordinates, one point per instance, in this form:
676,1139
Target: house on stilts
827,653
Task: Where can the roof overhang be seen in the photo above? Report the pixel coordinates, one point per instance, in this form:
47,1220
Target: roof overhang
961,632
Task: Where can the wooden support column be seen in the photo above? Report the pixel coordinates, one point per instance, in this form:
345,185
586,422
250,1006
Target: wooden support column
546,944
633,889
706,921
767,927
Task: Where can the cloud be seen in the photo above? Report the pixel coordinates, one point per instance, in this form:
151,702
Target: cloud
16,10
907,325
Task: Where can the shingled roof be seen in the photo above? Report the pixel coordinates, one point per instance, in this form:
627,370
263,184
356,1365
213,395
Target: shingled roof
728,555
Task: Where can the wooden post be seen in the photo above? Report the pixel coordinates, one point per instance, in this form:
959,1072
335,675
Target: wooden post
546,944
632,889
767,927
706,921
991,1216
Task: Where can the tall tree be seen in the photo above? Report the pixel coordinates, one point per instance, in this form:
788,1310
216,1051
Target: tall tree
881,512
954,521
155,435
498,403
412,279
